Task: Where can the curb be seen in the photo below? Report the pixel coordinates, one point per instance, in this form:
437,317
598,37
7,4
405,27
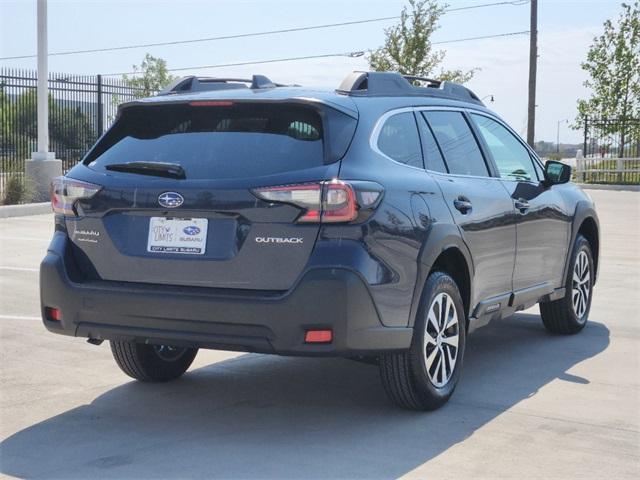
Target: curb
617,188
7,211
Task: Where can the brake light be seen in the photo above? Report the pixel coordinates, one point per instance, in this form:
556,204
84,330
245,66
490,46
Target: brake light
211,103
65,192
326,202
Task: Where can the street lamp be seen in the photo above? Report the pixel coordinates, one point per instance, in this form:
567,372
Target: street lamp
490,97
566,120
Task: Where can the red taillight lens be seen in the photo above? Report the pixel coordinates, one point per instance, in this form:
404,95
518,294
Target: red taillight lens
65,192
327,202
318,336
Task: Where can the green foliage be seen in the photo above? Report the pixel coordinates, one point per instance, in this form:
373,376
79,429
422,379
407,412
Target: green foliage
408,48
69,128
151,75
613,65
17,190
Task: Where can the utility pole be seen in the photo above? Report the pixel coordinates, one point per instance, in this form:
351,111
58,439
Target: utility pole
42,167
533,70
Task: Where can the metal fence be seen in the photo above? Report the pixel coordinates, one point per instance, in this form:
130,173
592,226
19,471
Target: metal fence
611,151
611,138
81,107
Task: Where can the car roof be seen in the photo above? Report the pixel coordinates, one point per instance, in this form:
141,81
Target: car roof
358,91
274,94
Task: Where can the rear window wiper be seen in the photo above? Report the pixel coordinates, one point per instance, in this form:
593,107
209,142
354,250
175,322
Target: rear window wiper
157,169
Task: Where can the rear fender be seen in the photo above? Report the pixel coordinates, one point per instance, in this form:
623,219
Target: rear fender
441,237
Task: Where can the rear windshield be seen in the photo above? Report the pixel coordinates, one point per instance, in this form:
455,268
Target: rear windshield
212,142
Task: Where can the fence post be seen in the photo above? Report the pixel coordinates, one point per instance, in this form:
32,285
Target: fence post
620,168
586,133
99,110
580,166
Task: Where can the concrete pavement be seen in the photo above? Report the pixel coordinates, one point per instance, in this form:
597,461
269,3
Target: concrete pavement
529,404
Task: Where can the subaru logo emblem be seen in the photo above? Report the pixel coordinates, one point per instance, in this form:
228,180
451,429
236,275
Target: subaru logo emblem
191,230
170,199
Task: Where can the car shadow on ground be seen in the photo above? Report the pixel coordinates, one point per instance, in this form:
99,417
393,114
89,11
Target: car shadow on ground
276,417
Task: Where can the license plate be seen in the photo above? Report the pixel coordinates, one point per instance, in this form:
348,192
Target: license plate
177,235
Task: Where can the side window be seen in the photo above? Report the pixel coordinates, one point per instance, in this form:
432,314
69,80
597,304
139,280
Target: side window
399,139
511,157
458,145
432,157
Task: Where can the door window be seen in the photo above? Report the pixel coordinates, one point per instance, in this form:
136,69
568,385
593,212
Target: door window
510,155
432,157
399,139
459,147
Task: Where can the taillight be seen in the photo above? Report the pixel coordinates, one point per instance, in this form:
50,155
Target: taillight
65,192
326,202
339,202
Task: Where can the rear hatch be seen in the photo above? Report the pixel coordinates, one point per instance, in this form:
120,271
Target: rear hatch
176,203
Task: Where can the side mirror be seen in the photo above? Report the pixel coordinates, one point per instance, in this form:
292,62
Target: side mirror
556,173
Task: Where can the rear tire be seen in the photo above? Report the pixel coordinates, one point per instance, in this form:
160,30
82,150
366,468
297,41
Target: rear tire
417,379
569,315
152,363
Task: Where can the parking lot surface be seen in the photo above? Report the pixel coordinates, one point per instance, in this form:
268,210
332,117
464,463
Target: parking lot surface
529,404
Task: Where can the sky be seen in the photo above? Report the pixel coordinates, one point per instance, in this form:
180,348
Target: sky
566,29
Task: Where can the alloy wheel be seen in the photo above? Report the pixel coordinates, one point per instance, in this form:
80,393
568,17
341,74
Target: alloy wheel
441,338
581,285
169,353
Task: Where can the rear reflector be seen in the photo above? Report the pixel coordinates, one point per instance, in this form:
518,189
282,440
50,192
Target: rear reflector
52,314
318,336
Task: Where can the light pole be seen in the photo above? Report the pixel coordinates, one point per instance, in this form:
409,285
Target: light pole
42,167
558,135
533,73
490,97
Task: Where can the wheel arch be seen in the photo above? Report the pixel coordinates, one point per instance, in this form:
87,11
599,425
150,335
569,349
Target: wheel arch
585,223
445,252
589,230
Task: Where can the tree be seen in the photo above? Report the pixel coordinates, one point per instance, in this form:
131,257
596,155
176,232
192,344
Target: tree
152,75
70,130
408,49
613,65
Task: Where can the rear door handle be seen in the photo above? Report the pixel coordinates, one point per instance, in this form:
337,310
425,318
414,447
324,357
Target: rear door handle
462,204
522,205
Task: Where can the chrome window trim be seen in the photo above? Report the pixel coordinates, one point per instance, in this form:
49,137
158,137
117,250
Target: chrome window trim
373,138
377,128
375,133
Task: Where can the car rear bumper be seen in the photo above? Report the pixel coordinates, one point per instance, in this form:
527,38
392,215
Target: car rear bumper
324,298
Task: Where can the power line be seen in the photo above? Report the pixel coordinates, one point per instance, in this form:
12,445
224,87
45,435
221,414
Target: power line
326,55
256,34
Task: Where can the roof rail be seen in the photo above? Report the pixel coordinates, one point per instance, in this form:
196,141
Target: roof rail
393,84
193,84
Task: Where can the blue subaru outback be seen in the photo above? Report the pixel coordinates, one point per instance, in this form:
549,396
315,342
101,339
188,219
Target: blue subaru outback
383,220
